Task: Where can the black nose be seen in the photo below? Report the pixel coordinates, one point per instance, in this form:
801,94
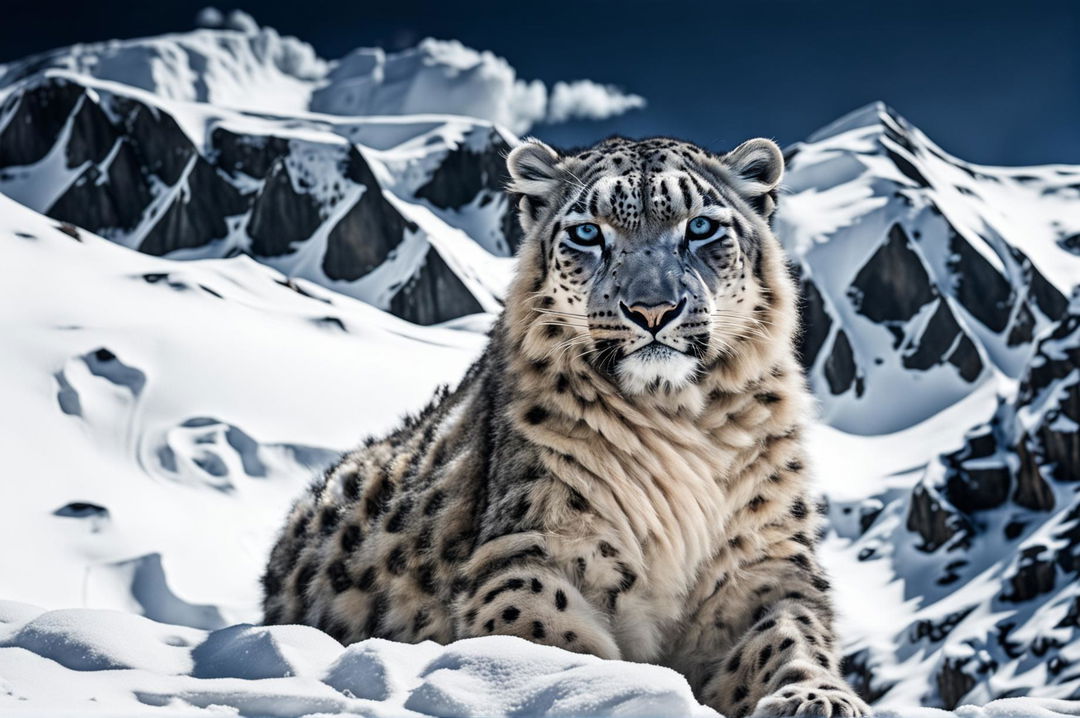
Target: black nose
655,317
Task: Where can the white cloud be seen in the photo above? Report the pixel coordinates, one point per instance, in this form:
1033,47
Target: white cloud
585,99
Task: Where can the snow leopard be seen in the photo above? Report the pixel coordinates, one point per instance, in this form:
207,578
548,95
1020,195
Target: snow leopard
623,471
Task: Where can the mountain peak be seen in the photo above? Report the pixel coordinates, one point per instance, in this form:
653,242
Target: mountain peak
876,113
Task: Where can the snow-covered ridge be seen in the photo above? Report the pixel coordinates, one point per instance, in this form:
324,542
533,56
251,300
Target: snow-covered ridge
233,62
201,380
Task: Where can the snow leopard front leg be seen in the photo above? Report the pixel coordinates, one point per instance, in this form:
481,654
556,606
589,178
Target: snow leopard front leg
763,640
516,589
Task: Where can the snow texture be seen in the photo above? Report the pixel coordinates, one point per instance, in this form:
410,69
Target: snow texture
208,291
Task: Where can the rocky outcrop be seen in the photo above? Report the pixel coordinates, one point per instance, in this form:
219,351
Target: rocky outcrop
943,340
366,235
983,291
281,217
435,294
893,284
840,369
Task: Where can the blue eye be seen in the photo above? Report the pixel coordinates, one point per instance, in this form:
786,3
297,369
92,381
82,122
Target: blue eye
701,227
588,234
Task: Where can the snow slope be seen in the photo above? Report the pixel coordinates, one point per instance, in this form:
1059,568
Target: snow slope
202,300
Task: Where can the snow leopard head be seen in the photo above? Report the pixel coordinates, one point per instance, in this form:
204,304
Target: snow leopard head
648,254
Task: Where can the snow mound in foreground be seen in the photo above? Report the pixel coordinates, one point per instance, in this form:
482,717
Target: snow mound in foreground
116,663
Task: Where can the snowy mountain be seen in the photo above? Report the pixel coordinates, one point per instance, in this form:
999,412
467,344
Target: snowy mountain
223,260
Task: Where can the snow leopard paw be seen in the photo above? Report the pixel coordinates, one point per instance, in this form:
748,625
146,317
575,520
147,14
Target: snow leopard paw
804,699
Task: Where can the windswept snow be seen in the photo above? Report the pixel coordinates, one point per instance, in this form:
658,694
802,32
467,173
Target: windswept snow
164,406
112,663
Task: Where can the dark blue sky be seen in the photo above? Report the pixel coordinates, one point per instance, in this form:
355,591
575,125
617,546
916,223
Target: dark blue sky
992,82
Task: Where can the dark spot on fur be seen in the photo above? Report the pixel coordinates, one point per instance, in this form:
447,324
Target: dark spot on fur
511,613
489,625
734,663
538,630
764,626
351,538
569,636
350,487
739,694
328,520
426,579
396,522
536,586
395,562
577,502
367,579
379,499
339,576
607,550
764,656
800,560
560,600
434,502
536,414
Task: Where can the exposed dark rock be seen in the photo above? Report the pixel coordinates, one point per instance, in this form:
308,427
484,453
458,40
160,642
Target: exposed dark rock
366,235
1048,299
938,630
1023,327
1061,446
1072,616
253,155
434,294
1044,371
908,169
92,135
160,144
464,173
933,519
978,489
840,364
983,291
1034,575
966,358
860,676
281,216
197,217
117,203
816,322
935,345
1032,491
953,682
1070,243
893,284
869,510
36,122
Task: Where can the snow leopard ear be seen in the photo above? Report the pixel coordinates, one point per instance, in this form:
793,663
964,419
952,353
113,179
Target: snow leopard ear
758,166
533,175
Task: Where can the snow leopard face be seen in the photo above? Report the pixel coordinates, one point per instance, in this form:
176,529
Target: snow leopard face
650,252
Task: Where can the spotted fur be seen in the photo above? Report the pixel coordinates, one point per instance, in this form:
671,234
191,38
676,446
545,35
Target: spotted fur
594,483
